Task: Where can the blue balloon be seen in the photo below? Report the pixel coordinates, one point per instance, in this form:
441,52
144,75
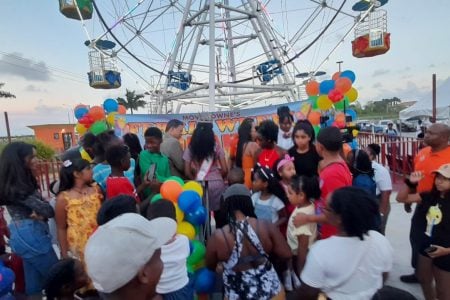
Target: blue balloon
189,201
349,74
351,113
204,281
81,112
198,217
330,121
110,105
326,86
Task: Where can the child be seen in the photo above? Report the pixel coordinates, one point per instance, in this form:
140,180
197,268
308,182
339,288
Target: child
115,207
174,281
77,204
152,156
267,139
64,279
434,213
119,158
236,175
269,197
301,193
285,171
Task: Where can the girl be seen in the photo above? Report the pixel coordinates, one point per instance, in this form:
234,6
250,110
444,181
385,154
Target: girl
301,193
247,149
77,204
306,159
269,198
267,138
29,233
285,120
434,213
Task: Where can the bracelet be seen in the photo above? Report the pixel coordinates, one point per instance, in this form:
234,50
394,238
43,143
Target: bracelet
410,184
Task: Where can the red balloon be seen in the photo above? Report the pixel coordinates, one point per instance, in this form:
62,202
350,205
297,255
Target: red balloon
122,110
87,121
335,95
343,84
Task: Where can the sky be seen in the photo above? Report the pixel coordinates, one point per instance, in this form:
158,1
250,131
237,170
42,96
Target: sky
44,62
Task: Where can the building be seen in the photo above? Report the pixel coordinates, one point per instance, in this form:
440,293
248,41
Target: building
58,136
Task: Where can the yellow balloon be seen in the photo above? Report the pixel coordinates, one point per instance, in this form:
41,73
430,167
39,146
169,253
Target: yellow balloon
352,95
186,229
111,118
355,132
193,186
324,103
80,128
179,213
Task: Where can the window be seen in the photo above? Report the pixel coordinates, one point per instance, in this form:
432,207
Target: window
56,136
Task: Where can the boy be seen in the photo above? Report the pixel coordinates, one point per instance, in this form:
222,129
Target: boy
236,175
152,163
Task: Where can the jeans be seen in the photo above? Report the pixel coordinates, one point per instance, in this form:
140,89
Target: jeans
30,239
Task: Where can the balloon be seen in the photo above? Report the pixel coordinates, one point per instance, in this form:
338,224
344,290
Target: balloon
342,104
335,95
179,214
156,198
80,111
316,129
186,229
324,103
351,113
193,186
339,124
87,121
349,74
177,179
352,95
339,117
312,88
170,190
121,122
326,86
110,105
190,269
198,217
80,128
188,201
314,117
98,127
330,121
204,281
313,101
197,254
97,113
336,75
122,109
110,118
343,85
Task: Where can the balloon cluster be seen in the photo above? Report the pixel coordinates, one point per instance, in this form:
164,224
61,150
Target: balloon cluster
190,213
97,119
329,101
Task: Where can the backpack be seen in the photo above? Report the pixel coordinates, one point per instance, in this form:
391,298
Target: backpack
365,182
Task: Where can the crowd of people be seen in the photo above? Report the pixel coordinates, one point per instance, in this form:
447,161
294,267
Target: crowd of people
296,215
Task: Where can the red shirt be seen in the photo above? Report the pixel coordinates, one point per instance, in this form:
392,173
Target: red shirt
268,157
427,162
116,186
332,177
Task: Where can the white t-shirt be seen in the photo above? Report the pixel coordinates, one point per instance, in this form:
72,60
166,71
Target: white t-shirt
173,256
274,202
382,178
285,143
348,268
309,229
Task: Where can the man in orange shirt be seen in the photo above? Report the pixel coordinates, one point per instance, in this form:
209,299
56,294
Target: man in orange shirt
427,160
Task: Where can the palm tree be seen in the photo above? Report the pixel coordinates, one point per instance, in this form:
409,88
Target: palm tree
5,94
132,101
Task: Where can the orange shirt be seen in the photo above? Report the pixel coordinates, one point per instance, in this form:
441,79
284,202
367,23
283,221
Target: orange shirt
427,162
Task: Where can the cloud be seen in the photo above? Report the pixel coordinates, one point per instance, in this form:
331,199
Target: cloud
377,85
16,64
34,89
380,72
432,66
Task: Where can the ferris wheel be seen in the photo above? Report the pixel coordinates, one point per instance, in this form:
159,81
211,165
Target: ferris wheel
220,54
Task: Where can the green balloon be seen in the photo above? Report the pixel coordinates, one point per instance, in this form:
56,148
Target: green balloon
198,253
340,105
177,179
190,268
156,198
313,100
316,129
98,127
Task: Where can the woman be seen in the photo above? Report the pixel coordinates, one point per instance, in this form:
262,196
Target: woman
30,238
306,159
285,120
267,138
247,149
384,184
132,141
354,263
204,160
361,167
243,246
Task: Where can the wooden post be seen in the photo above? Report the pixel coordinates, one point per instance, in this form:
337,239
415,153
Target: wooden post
8,132
433,118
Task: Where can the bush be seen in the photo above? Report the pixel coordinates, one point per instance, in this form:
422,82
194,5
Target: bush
43,150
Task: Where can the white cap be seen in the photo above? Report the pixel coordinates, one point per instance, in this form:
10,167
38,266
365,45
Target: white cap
117,250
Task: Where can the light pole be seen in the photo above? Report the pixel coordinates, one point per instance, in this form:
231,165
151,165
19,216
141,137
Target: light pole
340,63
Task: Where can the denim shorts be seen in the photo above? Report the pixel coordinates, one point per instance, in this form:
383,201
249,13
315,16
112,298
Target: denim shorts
29,238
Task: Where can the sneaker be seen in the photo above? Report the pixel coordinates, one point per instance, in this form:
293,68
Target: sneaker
296,281
409,278
287,281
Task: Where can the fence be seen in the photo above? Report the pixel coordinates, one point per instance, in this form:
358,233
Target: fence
48,172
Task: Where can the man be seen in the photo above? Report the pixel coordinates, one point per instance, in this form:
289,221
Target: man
171,147
427,160
123,256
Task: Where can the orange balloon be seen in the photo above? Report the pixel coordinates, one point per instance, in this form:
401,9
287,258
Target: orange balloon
170,190
336,76
312,88
97,113
314,117
122,110
343,84
339,118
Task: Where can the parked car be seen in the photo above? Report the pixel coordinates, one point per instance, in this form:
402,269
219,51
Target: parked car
408,127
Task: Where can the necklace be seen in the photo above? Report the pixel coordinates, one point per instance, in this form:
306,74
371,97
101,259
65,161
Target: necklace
268,158
80,191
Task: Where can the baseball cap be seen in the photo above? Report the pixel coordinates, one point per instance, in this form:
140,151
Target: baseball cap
118,249
444,170
237,189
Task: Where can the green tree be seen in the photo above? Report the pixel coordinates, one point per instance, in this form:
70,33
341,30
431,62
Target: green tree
132,100
43,150
5,94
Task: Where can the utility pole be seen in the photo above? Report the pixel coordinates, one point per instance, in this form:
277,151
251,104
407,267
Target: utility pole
434,100
8,132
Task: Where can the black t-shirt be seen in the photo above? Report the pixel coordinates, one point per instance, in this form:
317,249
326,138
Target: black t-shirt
305,163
